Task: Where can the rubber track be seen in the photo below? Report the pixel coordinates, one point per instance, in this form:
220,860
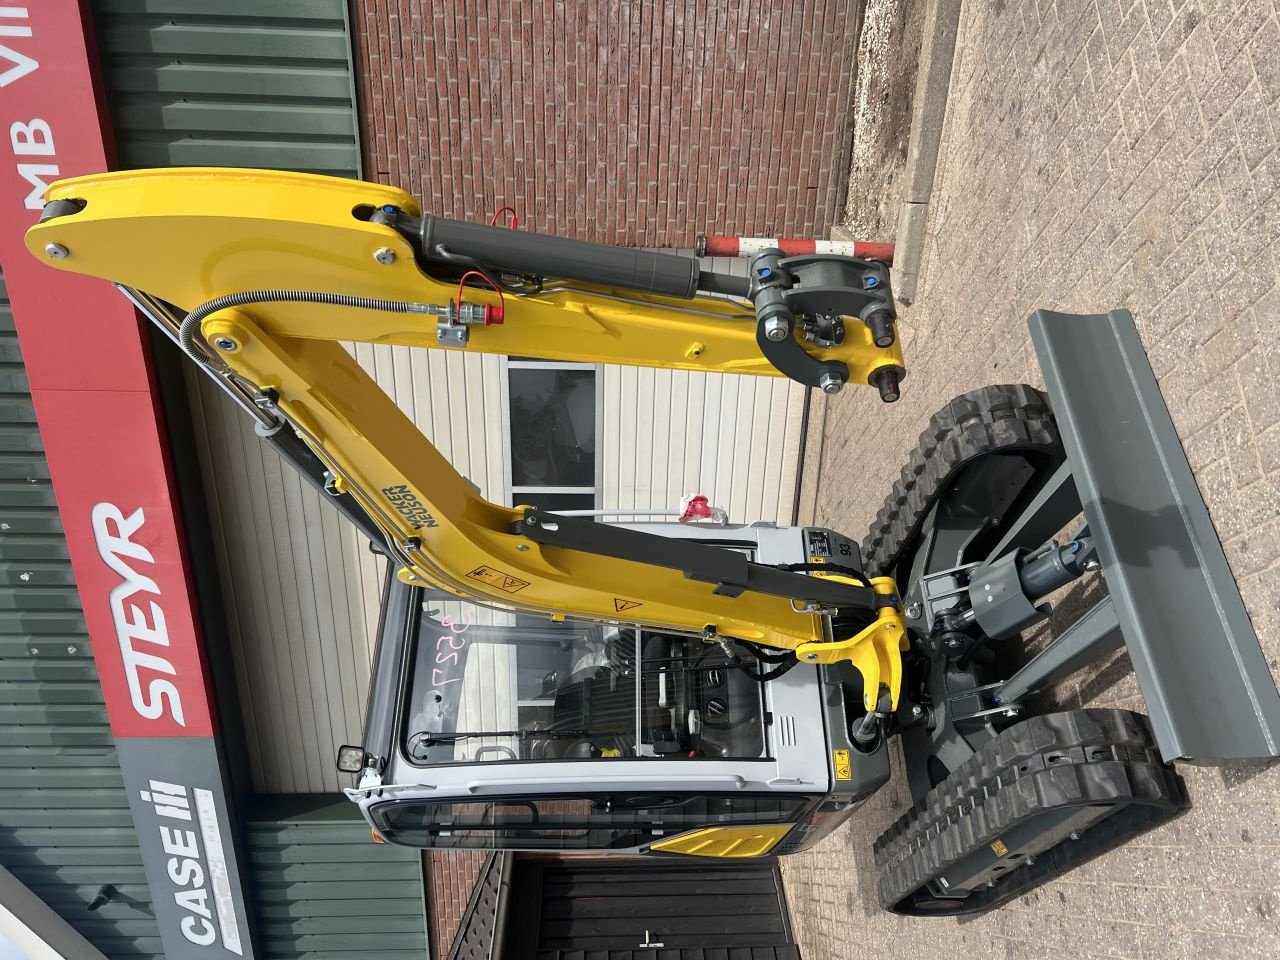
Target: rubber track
1095,757
1004,418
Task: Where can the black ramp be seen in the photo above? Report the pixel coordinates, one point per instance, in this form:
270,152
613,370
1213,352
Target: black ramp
1208,689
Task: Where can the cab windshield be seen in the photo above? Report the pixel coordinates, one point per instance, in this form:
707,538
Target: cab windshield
488,685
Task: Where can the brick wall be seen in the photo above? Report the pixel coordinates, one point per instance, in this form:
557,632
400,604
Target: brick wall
451,876
639,122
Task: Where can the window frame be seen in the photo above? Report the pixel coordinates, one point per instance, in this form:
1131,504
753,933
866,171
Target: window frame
511,491
803,805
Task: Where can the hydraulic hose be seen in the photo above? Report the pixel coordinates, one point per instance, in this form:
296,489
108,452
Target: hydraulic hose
189,329
761,676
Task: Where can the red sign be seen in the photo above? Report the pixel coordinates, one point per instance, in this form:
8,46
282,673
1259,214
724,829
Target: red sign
89,367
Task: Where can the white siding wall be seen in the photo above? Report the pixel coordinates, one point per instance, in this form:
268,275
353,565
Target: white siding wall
301,589
302,593
670,433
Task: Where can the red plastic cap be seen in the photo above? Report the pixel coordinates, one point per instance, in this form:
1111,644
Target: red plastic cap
697,508
493,315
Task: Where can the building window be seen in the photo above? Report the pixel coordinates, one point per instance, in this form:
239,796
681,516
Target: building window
554,422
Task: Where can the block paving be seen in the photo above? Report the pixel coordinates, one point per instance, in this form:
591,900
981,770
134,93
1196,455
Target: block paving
1096,154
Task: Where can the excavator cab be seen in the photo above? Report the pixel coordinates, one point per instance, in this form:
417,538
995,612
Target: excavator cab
495,729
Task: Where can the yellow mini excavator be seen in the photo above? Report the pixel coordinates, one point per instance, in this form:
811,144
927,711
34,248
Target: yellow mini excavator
710,689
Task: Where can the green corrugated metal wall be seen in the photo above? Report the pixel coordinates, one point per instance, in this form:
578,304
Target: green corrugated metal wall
266,83
240,83
324,891
65,827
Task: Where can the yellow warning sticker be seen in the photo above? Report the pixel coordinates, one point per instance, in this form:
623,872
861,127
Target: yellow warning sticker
844,770
620,605
496,578
999,849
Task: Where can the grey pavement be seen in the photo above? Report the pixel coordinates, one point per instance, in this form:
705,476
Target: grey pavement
1095,155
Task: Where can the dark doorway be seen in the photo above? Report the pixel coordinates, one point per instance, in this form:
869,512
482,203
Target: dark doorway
641,909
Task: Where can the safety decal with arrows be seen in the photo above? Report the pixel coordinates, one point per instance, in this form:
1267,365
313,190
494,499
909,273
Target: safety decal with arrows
496,578
623,605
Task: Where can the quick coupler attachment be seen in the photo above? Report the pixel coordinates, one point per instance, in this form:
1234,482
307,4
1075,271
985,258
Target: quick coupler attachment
808,298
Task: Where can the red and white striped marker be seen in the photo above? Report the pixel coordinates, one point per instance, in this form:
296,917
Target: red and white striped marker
750,246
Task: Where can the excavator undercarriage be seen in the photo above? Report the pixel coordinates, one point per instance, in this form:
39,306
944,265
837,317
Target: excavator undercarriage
712,689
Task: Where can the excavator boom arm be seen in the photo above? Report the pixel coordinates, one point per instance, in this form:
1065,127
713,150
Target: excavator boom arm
271,272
